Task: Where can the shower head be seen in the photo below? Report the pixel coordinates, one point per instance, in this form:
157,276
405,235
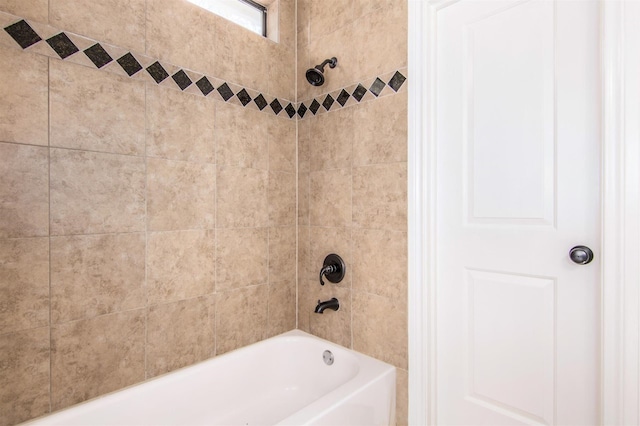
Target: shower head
315,76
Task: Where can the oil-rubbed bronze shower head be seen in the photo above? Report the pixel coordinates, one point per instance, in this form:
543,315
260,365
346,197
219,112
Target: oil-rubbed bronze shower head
315,76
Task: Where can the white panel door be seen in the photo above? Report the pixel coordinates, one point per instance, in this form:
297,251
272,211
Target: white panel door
518,136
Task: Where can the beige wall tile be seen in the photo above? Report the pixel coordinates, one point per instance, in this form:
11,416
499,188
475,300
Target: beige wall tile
326,16
402,397
282,145
364,7
24,110
304,256
242,136
380,328
242,198
334,326
180,126
381,127
24,374
304,90
303,10
180,195
95,356
282,72
330,198
324,241
306,304
282,254
178,334
24,193
37,10
119,22
242,56
282,199
183,34
242,257
303,198
287,23
380,196
331,144
93,275
282,307
95,110
180,265
380,263
24,284
96,193
304,145
273,20
241,317
382,36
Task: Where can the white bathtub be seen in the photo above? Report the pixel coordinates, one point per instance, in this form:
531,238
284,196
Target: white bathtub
283,380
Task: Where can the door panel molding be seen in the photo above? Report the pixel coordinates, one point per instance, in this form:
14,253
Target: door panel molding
620,301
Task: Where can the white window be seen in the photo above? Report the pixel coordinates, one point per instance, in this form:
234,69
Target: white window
247,13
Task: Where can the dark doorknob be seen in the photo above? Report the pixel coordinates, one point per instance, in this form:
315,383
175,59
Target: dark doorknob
581,255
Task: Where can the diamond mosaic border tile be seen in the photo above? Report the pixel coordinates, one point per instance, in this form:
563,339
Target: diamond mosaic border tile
46,40
377,87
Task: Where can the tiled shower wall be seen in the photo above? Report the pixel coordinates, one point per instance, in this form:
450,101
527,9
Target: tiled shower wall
142,229
352,179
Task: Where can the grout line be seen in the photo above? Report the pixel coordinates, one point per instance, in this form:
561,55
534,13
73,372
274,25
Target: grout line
146,231
351,247
215,225
295,90
49,226
25,144
96,234
90,318
269,236
146,19
21,330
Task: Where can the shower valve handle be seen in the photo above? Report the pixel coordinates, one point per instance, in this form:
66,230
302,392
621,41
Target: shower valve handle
333,269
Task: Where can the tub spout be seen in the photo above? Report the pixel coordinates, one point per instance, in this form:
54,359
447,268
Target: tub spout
329,304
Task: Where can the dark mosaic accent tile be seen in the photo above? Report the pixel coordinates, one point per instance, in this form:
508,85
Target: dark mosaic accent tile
397,81
225,92
290,109
62,45
376,87
129,64
23,34
302,110
182,79
314,106
359,92
328,101
205,86
275,106
244,97
260,102
157,71
343,97
98,55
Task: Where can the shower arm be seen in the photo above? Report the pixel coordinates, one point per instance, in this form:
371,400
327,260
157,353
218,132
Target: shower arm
331,62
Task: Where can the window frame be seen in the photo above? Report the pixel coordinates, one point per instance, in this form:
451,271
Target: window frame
262,9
